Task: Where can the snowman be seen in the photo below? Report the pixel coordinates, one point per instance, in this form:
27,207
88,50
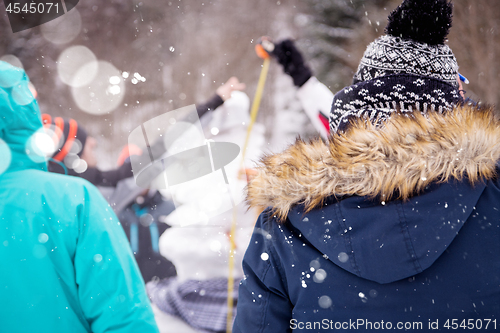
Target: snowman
198,242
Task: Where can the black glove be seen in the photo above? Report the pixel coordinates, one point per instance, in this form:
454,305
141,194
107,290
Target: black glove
292,61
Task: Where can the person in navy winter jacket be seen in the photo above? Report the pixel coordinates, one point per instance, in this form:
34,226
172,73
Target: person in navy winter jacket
394,224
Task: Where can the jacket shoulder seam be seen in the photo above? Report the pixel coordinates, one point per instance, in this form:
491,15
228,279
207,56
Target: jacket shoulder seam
347,240
406,234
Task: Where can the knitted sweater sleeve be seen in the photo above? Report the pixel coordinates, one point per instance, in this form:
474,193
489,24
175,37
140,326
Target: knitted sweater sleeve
213,103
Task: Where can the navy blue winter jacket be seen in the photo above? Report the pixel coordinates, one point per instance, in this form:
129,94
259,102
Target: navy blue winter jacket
395,228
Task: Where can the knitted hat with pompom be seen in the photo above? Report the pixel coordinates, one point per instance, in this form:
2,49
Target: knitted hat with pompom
410,68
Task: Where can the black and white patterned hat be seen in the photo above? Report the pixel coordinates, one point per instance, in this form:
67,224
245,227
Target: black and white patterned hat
408,69
393,55
375,100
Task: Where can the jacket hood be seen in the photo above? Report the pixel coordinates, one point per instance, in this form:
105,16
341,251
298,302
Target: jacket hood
384,203
20,119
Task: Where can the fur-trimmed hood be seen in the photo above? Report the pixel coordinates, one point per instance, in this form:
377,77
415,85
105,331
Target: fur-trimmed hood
396,161
385,203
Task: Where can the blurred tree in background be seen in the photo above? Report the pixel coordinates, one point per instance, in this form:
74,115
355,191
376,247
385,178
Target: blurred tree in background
475,40
338,31
332,27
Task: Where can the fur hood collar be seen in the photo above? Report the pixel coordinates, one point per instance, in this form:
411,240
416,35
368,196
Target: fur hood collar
396,161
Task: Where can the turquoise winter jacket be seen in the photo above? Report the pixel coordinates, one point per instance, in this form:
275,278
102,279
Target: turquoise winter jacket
66,264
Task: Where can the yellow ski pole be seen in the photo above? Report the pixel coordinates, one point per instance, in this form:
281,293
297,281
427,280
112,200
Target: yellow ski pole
253,116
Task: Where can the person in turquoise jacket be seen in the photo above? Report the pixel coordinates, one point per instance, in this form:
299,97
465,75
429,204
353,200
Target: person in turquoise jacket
66,262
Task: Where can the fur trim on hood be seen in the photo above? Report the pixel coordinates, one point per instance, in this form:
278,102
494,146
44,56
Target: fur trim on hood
396,161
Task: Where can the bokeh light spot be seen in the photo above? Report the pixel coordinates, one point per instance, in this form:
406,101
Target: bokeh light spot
325,302
12,59
80,166
214,131
70,63
21,94
99,96
63,29
319,276
40,146
16,75
343,257
43,238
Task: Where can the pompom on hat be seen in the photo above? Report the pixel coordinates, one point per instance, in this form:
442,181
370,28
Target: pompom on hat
408,69
429,26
